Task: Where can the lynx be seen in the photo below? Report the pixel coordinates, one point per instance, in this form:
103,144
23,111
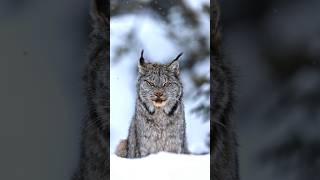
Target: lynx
158,123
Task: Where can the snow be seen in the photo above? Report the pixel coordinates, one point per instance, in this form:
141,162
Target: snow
161,166
197,4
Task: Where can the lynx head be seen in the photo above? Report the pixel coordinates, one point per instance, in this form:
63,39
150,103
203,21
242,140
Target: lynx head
159,84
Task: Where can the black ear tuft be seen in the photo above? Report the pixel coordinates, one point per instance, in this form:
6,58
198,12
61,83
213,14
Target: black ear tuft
141,64
178,57
141,58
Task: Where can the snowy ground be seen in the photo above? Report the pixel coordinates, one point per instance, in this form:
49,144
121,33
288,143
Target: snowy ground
161,166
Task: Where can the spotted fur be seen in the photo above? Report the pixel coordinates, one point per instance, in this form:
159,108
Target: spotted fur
156,128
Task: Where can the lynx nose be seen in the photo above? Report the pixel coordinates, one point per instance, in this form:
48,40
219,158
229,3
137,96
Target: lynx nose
158,93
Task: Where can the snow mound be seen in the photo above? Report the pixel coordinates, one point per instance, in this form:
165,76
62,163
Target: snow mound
161,166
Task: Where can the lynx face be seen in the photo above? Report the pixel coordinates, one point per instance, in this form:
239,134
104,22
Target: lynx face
159,85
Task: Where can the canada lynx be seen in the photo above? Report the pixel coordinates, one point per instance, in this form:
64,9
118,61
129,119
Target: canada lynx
158,123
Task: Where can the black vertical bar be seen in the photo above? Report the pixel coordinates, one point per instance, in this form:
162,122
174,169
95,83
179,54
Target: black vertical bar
95,145
223,144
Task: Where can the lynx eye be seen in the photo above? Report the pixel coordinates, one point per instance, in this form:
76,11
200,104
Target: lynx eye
150,83
166,84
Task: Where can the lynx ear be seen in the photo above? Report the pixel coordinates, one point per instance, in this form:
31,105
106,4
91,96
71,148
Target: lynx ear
141,63
174,65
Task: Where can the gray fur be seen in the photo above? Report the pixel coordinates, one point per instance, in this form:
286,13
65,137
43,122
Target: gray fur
157,128
223,145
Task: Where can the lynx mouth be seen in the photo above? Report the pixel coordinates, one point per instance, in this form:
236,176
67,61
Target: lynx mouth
159,102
